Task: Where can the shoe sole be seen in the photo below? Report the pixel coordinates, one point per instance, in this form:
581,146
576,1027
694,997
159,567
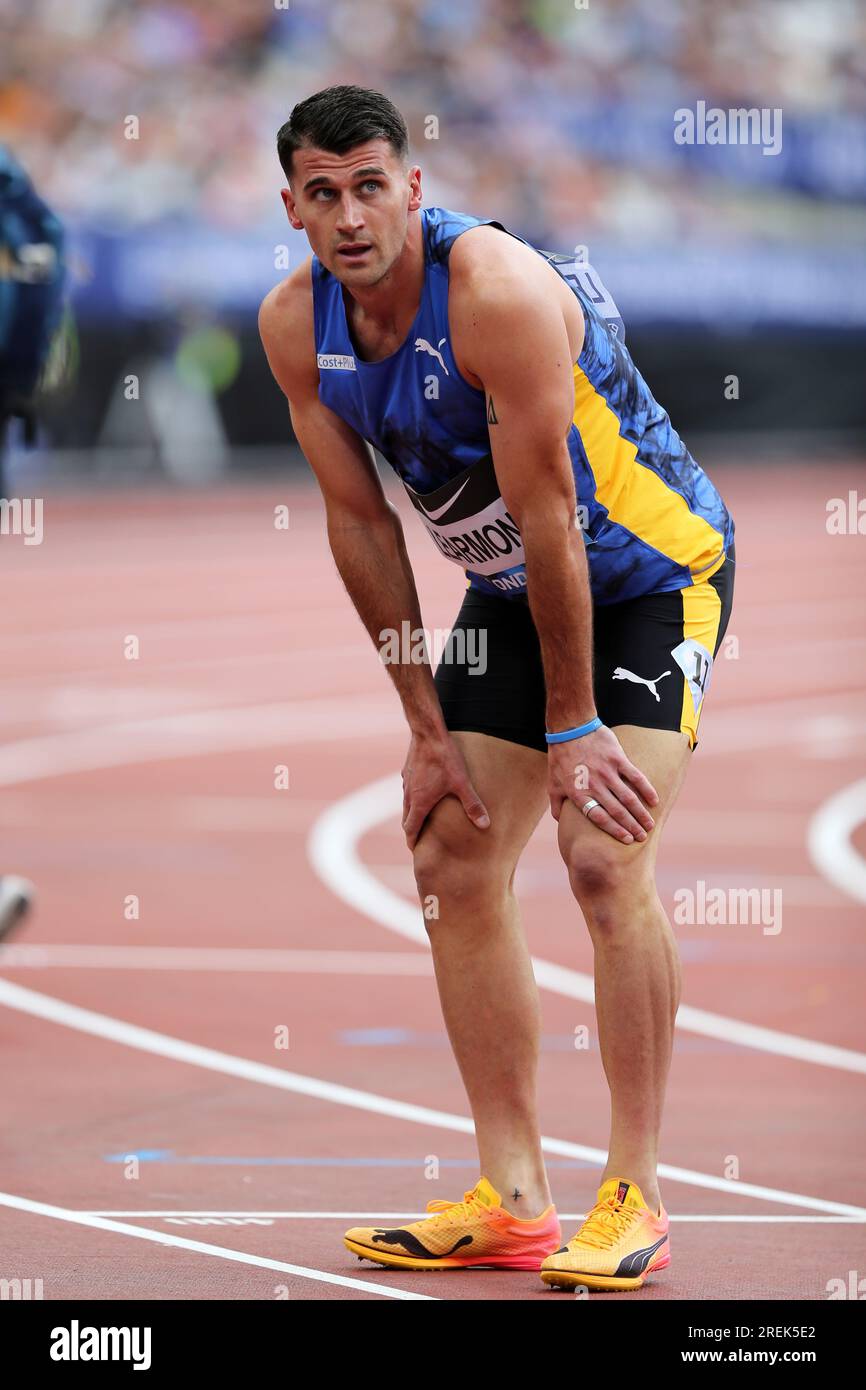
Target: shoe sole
569,1279
376,1257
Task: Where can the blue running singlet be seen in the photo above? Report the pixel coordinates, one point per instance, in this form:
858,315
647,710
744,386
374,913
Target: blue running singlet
652,520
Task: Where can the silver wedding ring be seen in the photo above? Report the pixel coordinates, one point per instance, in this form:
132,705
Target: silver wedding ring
587,807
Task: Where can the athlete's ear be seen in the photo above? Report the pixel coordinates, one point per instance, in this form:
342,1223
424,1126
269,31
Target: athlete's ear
415,199
291,212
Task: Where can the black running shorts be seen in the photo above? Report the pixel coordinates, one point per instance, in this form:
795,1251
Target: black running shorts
652,661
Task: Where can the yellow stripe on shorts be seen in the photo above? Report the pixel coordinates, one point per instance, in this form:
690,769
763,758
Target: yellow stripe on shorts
702,614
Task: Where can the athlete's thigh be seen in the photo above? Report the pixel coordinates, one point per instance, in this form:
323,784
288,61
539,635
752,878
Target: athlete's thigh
653,658
662,755
490,683
511,781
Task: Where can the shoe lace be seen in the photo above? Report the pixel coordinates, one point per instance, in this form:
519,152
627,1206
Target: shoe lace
470,1206
605,1224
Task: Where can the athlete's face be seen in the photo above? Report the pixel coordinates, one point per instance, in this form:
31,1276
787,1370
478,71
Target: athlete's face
354,208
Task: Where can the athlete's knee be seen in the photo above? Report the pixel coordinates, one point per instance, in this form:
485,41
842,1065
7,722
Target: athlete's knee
594,871
456,863
608,879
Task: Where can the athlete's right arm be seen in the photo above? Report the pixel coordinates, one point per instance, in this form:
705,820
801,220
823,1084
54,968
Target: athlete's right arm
366,540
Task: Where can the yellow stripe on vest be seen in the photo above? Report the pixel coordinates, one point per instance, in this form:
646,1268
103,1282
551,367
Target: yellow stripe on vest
634,496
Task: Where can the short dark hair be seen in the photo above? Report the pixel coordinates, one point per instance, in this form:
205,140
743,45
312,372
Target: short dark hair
338,118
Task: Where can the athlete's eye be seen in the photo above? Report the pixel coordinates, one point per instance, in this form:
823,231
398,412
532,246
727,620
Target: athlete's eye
317,191
371,183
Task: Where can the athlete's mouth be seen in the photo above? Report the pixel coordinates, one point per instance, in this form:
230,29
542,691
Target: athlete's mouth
353,251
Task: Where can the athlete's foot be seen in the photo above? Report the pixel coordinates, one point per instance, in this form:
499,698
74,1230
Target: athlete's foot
621,1241
478,1231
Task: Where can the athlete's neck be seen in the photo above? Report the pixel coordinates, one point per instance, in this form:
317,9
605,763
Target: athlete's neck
387,310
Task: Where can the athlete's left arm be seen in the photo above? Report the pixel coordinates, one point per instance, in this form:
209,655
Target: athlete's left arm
508,330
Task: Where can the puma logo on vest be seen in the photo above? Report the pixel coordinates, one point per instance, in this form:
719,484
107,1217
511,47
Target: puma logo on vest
422,345
621,674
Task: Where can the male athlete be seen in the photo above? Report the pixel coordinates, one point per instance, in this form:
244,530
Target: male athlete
493,378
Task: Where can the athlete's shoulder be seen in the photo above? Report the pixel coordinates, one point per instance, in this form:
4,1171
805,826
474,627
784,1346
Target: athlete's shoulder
497,275
286,328
290,302
487,251
442,229
503,289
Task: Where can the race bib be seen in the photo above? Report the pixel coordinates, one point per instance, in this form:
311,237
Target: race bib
696,664
469,523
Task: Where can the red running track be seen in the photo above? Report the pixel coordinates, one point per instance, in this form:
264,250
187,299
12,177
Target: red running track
157,1035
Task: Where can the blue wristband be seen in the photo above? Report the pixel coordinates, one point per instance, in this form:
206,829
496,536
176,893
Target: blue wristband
579,732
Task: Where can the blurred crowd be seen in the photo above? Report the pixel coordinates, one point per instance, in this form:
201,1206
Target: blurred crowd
557,119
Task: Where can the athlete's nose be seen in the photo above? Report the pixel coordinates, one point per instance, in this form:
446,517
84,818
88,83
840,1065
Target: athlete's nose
351,218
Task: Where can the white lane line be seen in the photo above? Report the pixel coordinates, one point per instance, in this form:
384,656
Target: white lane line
333,851
60,957
397,1216
238,727
162,1045
100,1223
192,734
829,840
